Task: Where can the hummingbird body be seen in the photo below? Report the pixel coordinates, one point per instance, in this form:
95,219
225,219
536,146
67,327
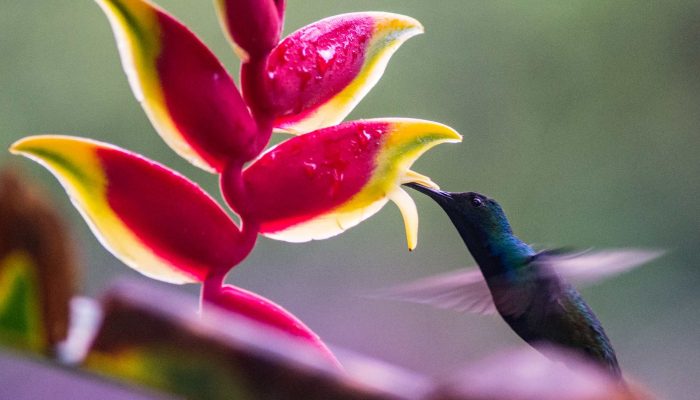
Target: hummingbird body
557,314
525,286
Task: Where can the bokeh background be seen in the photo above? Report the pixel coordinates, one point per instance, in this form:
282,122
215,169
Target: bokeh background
582,118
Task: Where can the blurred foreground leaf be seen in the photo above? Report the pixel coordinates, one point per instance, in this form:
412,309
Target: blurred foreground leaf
164,344
21,325
37,269
525,374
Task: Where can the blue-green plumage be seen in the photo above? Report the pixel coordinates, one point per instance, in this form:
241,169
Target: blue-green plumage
530,296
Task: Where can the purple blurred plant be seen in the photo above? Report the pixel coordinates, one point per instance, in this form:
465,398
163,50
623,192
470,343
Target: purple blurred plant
326,179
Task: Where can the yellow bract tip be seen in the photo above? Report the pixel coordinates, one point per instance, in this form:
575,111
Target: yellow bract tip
53,144
422,133
20,147
67,157
390,22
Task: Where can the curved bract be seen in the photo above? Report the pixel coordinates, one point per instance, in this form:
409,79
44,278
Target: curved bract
261,309
317,185
189,97
253,26
153,219
319,73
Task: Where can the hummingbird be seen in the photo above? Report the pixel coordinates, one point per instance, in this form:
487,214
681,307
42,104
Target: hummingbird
531,290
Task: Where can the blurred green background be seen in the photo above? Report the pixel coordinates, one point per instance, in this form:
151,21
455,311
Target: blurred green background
582,118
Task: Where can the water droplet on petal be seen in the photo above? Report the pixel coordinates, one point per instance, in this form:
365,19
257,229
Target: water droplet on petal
324,59
310,168
336,181
364,137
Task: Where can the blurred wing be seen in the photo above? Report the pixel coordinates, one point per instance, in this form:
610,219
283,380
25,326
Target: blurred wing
464,290
589,266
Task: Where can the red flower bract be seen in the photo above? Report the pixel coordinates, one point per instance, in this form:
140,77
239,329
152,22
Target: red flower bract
253,25
322,170
313,64
193,232
201,97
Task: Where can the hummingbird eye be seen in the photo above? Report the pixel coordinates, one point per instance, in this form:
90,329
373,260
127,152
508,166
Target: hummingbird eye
477,202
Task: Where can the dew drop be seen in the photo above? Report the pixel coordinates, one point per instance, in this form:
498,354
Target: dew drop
336,182
324,59
310,34
310,168
363,136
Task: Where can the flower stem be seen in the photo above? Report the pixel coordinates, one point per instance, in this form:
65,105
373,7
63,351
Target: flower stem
254,88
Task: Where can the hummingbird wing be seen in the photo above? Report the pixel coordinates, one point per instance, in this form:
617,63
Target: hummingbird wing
466,290
463,290
590,266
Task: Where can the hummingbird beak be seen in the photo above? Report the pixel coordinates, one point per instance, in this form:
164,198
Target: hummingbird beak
441,197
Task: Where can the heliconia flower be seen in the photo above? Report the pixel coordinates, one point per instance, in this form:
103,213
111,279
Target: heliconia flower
189,97
317,185
318,74
312,186
254,26
263,310
153,219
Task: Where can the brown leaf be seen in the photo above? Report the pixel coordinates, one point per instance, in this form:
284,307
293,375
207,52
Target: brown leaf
29,223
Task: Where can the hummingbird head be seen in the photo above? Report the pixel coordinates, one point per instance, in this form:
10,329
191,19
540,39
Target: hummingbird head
472,213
